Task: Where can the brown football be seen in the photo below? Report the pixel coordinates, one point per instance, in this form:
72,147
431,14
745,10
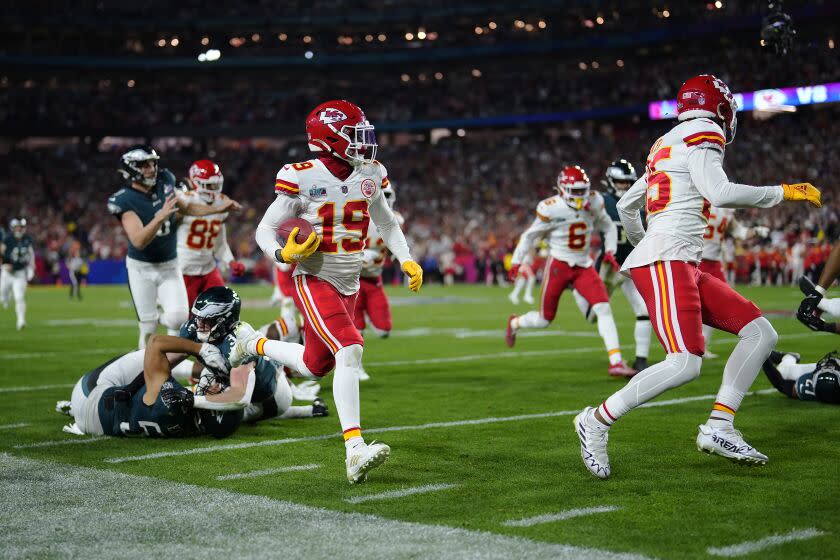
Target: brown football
305,228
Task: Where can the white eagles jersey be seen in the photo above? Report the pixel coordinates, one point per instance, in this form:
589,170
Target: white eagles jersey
683,177
568,231
719,220
339,212
373,258
202,239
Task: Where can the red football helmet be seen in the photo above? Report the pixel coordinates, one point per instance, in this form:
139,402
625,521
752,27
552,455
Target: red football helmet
340,128
207,180
573,186
707,96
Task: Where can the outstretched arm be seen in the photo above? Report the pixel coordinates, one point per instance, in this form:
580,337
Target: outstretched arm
707,174
156,367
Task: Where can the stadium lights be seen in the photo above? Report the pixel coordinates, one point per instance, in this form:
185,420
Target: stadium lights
211,55
205,41
588,23
282,36
599,20
582,65
479,30
666,13
405,77
476,73
529,27
619,63
369,38
421,34
307,39
541,24
595,64
409,36
308,55
130,83
718,4
519,24
174,42
461,133
432,35
492,25
382,37
256,37
831,43
438,75
161,42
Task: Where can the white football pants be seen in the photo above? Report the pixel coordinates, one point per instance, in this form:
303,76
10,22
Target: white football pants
153,283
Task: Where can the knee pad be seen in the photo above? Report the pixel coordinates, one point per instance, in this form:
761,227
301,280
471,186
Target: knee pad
174,319
760,331
602,309
349,356
689,366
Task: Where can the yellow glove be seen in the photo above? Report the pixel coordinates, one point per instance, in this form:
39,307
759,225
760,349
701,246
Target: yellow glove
415,275
294,252
803,191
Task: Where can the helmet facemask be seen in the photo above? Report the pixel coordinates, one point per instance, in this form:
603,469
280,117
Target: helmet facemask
18,227
140,165
215,314
209,189
361,147
574,194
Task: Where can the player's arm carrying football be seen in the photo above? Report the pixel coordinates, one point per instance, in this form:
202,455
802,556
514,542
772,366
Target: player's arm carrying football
284,208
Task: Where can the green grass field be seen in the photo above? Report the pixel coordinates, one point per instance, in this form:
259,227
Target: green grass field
446,363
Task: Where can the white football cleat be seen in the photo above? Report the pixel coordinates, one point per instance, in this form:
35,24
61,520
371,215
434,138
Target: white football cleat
363,375
709,355
529,299
729,443
513,299
245,334
593,443
363,458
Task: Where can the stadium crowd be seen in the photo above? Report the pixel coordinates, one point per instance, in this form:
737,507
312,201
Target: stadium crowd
465,199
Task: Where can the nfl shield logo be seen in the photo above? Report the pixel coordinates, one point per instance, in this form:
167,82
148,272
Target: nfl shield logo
368,188
343,189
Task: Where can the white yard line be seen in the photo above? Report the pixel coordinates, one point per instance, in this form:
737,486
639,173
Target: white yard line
560,516
401,493
749,547
455,423
35,388
12,426
62,442
149,518
265,472
31,355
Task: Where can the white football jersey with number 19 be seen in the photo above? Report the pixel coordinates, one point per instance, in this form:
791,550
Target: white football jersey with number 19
339,212
198,238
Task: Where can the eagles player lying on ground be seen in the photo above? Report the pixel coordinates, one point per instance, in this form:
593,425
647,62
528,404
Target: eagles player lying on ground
215,319
18,267
806,382
135,395
146,209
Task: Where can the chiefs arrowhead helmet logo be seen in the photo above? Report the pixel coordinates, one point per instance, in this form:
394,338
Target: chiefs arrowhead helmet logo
330,115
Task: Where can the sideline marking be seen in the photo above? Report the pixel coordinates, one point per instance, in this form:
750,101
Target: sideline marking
41,523
264,472
561,516
477,421
749,547
401,493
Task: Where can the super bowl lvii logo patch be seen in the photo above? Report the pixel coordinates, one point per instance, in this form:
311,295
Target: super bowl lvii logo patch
368,188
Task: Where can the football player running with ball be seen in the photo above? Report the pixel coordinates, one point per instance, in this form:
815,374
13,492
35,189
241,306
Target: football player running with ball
339,192
203,240
684,177
146,209
567,220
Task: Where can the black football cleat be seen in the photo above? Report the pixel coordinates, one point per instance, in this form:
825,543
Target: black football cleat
640,363
319,408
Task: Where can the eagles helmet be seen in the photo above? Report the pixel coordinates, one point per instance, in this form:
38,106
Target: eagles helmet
18,227
130,164
215,314
218,423
620,176
826,379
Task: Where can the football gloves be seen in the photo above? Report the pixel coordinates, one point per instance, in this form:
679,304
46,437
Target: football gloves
213,359
803,191
236,268
294,252
415,275
513,272
609,258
